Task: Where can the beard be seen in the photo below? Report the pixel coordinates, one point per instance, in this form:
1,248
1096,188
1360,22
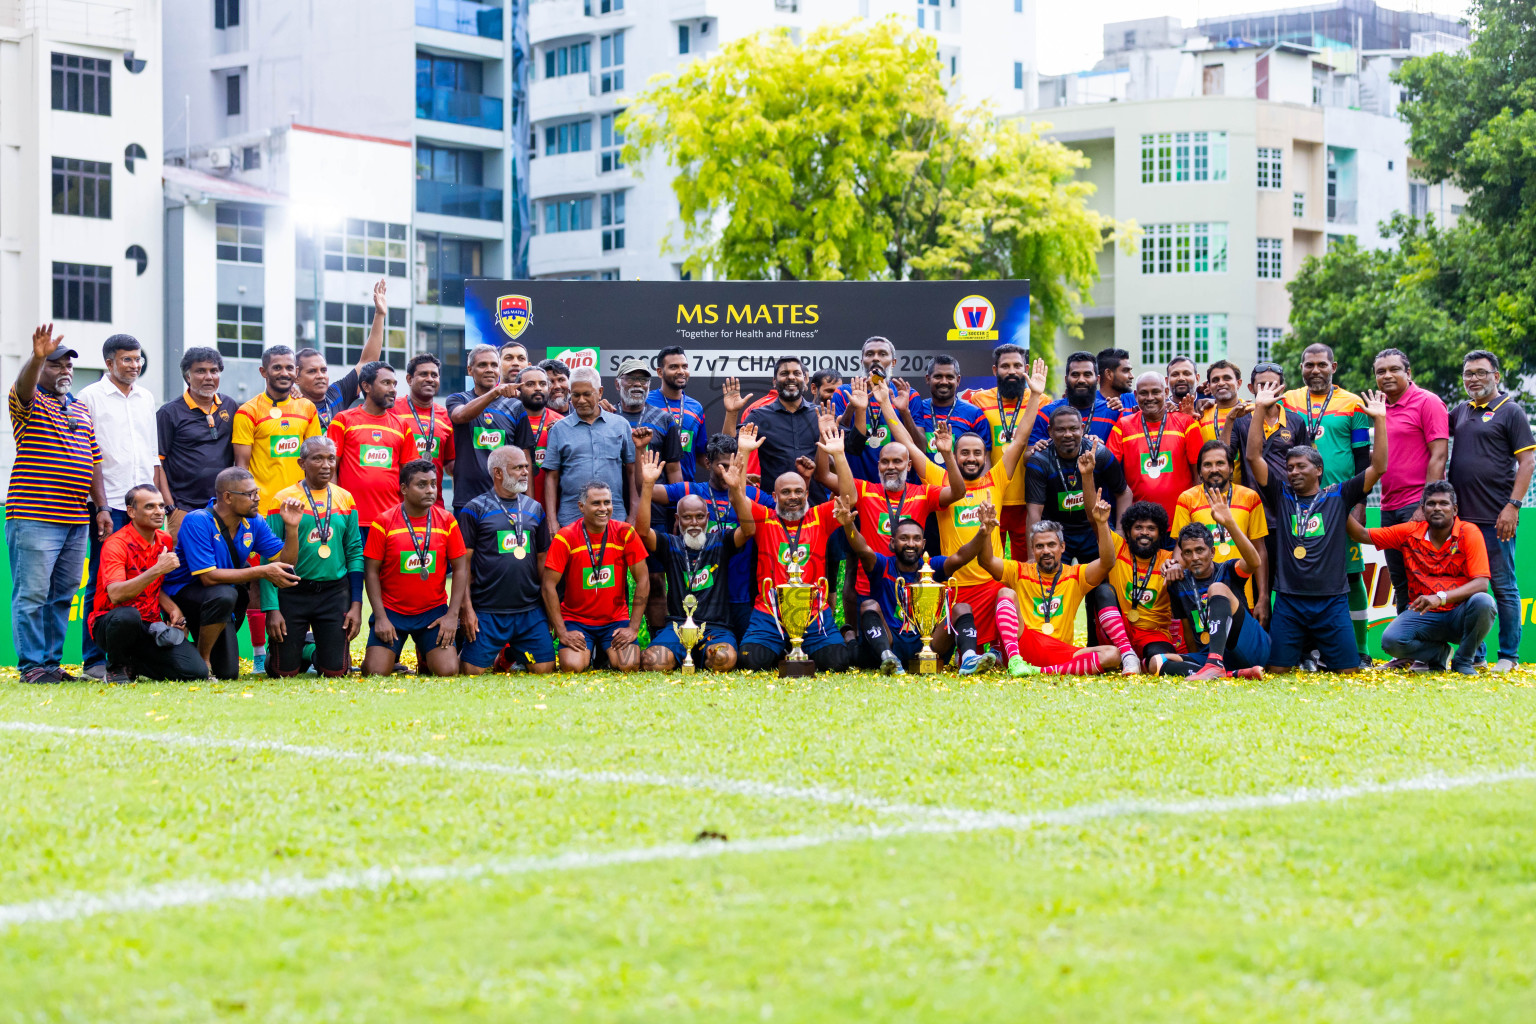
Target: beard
1142,547
560,403
1047,564
968,473
791,515
1081,394
536,403
1011,387
632,401
1215,483
894,482
517,486
694,540
789,391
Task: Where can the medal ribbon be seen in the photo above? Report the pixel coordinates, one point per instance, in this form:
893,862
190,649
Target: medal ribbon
421,428
1050,596
514,521
900,503
1314,426
421,550
1138,584
1011,424
1155,450
1303,517
323,526
602,552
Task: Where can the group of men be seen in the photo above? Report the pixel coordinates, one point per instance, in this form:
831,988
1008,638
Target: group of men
1203,534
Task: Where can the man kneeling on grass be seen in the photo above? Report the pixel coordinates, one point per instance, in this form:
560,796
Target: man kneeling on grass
591,557
1222,634
405,569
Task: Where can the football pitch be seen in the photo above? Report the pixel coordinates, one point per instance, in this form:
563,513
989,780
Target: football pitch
747,848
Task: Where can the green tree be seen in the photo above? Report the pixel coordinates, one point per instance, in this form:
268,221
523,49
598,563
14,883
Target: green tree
842,159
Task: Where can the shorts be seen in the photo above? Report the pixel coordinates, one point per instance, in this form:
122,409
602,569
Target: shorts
1043,651
764,632
982,597
599,638
414,627
905,645
1012,523
1248,649
526,632
1304,622
1140,638
712,635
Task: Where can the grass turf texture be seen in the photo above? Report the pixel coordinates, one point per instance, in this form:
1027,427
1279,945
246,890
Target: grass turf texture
1400,906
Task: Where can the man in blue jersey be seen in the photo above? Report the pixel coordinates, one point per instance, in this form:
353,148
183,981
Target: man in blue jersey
919,414
1115,379
314,379
1083,394
879,358
687,414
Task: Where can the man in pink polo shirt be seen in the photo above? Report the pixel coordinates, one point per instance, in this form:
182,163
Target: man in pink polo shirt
1417,436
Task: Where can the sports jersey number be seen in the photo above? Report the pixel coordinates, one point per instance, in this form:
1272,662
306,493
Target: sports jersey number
375,456
411,562
600,578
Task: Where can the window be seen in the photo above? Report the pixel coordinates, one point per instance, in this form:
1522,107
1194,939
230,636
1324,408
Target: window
1269,168
1213,80
449,262
682,39
1172,157
1298,204
226,14
232,95
240,331
603,6
250,158
1264,345
1333,186
613,221
611,59
346,330
929,18
571,137
612,142
1269,259
1418,200
82,292
82,188
575,59
240,233
369,246
447,73
82,84
1184,248
1198,336
568,215
1018,74
443,163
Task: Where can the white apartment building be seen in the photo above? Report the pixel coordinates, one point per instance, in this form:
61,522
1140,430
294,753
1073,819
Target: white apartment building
356,139
594,218
80,144
1236,161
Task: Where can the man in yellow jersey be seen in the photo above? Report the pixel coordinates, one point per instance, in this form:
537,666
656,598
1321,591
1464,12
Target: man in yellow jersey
1136,576
1049,592
1247,510
968,483
1222,381
1003,407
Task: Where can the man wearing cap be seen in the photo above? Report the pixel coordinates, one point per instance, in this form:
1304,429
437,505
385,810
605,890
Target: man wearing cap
590,444
47,525
654,429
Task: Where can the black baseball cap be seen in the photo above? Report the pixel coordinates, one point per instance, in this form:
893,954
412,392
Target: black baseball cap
61,352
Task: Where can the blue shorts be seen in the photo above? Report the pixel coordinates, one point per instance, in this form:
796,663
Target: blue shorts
1302,623
764,632
599,638
410,626
906,646
1249,648
527,632
1082,548
713,634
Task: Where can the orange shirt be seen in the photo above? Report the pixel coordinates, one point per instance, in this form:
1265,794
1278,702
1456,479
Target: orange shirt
1178,439
1462,558
1003,415
1247,512
1140,587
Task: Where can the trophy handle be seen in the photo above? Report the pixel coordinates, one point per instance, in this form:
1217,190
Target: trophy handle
903,598
823,601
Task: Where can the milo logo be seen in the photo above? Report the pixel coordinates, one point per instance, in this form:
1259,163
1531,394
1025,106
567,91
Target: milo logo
506,540
686,437
1314,526
428,448
878,436
1142,597
1219,533
967,517
600,578
1070,501
999,435
284,447
486,438
314,535
703,579
410,561
1046,609
883,524
538,456
587,356
376,456
801,556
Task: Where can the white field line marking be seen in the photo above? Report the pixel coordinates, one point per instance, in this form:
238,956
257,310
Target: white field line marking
194,893
703,783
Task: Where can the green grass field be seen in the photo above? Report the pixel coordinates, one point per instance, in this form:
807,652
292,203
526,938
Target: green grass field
503,849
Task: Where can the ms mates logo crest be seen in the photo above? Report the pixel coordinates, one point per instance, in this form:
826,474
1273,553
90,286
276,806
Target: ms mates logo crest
514,313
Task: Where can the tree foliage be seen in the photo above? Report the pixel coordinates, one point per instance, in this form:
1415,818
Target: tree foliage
841,158
1472,121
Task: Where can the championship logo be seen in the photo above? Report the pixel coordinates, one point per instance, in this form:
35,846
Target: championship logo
975,320
577,356
514,313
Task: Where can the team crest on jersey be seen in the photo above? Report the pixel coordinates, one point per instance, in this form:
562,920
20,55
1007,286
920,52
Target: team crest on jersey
514,313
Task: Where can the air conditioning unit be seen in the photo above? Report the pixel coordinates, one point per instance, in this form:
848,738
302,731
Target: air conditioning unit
219,158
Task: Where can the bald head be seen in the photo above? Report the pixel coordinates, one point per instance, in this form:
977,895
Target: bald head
790,496
1151,395
894,464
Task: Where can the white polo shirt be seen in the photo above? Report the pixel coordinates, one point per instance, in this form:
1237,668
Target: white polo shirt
125,432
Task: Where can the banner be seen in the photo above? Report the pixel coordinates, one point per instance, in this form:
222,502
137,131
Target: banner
741,328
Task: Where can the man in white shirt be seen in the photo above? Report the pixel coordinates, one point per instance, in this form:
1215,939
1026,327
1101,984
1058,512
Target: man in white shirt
124,413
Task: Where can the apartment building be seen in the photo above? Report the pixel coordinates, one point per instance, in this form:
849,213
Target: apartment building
593,217
80,145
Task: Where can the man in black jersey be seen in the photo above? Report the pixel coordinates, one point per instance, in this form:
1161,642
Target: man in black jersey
694,560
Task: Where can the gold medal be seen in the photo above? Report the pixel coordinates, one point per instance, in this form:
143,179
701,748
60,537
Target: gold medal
1223,549
1300,551
325,551
276,413
1048,628
1134,615
519,551
1153,472
1205,638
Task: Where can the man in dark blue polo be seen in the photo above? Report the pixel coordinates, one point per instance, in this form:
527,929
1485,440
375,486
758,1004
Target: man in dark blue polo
787,427
1081,391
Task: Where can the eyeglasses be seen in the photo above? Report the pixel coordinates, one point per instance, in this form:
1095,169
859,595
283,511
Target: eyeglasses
253,495
1477,374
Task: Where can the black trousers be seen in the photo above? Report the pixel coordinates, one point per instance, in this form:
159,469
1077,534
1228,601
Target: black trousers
1395,567
312,606
204,606
127,643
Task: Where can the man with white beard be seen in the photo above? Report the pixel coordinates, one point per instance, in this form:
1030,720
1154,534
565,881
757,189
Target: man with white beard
695,560
655,430
507,537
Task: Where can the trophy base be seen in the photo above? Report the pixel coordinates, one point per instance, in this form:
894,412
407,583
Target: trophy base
688,668
791,668
924,666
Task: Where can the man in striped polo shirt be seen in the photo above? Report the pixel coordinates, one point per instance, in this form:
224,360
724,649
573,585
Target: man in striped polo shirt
58,465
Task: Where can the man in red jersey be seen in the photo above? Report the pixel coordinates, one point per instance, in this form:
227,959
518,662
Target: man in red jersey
405,569
429,421
372,443
880,506
1158,446
591,556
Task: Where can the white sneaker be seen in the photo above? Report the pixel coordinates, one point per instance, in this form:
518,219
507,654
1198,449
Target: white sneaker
1130,665
1503,665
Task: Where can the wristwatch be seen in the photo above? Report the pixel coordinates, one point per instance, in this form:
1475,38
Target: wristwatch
1442,596
1512,503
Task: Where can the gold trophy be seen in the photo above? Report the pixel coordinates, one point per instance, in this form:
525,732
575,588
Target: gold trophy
797,604
922,606
688,632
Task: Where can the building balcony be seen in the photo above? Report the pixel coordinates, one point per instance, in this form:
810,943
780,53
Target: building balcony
567,95
480,202
554,19
566,251
570,174
462,16
440,103
1343,211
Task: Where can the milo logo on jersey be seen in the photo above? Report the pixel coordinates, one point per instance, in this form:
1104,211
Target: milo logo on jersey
883,524
1069,501
315,538
967,517
538,456
506,540
487,439
600,578
410,561
878,437
284,447
1047,609
685,438
1143,597
375,456
802,553
1314,526
426,448
701,580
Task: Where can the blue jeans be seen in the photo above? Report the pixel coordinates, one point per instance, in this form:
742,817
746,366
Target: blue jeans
90,654
1428,636
46,562
1506,593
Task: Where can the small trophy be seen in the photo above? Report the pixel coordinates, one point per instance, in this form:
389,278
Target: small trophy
797,604
922,606
688,632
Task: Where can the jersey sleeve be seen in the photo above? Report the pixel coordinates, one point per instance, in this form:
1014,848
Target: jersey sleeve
559,554
114,564
336,432
1520,439
346,388
312,428
1359,428
446,451
1182,516
672,444
455,541
1437,426
373,547
1352,491
1116,442
1036,481
244,429
1194,438
195,544
469,526
266,543
634,547
1476,551
523,434
165,430
1108,472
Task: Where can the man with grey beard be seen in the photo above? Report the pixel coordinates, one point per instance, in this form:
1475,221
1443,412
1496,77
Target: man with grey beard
655,430
559,384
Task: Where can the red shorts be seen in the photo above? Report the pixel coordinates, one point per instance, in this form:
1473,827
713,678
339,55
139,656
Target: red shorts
982,597
1041,650
1141,637
1012,522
